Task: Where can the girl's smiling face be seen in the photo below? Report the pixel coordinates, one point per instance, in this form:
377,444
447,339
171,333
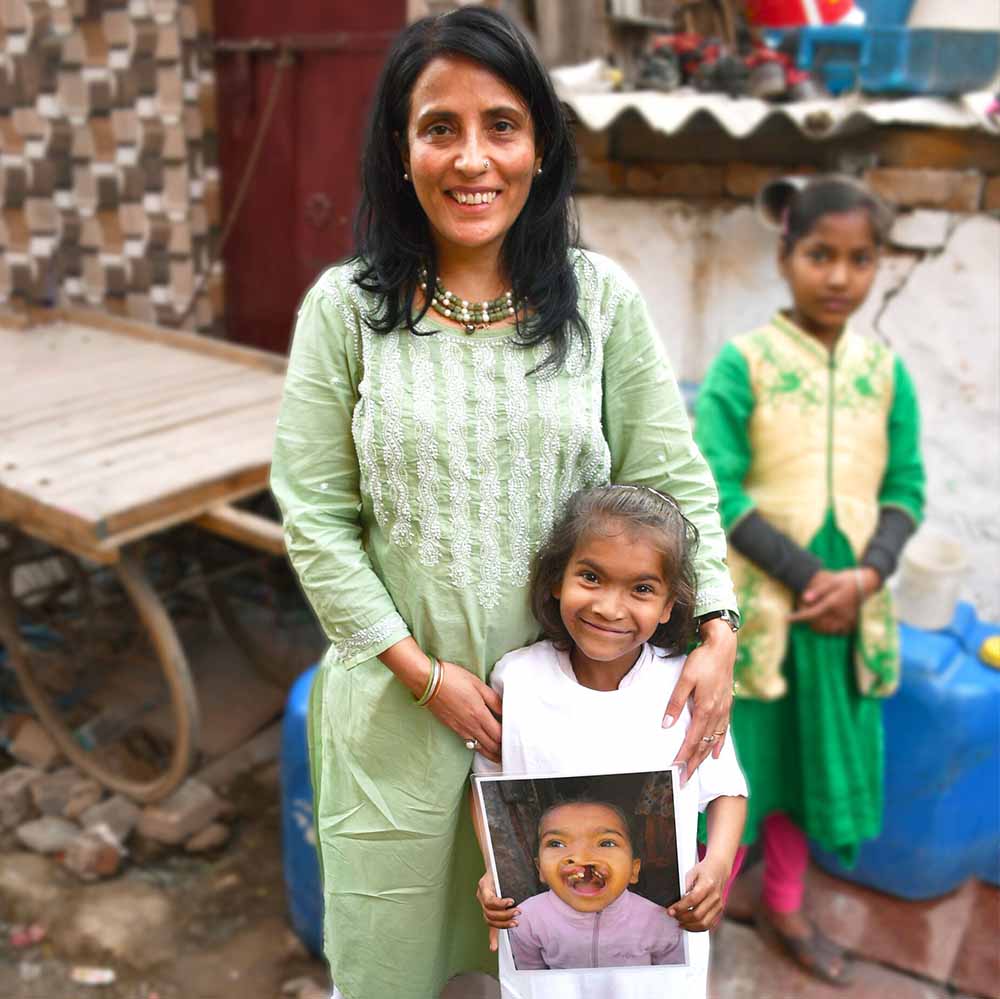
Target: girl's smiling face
830,271
461,115
585,855
612,597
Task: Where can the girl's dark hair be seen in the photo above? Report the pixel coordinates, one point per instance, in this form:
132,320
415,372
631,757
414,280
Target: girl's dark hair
627,820
796,207
392,234
604,510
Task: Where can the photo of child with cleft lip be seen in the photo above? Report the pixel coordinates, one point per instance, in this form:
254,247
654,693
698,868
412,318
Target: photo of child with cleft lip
589,918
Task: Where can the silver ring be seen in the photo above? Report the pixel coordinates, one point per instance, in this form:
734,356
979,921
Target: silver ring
708,738
471,743
486,164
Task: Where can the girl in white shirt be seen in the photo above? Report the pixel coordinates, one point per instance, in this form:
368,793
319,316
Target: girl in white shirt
613,591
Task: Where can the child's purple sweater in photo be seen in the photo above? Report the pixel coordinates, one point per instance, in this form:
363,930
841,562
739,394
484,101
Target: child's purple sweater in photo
630,931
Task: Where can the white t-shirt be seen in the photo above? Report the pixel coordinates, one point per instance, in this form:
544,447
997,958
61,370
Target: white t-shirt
554,725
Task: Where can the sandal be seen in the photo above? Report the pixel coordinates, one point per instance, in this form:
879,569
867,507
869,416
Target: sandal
816,953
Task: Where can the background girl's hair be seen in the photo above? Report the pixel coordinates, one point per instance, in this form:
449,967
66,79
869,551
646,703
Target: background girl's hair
643,510
794,205
392,235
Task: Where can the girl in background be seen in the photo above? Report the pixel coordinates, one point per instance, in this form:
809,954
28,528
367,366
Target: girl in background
813,435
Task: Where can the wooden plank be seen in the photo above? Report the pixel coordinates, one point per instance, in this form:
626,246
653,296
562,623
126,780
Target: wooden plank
97,499
247,528
83,436
180,339
178,459
87,399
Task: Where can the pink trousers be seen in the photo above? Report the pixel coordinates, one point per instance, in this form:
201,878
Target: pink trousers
786,857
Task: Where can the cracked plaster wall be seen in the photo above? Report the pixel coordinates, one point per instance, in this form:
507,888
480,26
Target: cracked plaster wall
709,273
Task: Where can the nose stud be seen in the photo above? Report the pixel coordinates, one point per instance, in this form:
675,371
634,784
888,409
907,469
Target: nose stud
486,164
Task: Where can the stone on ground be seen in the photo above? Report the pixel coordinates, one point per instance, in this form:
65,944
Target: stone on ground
66,793
210,838
118,813
122,921
49,834
32,745
15,797
95,853
187,811
31,887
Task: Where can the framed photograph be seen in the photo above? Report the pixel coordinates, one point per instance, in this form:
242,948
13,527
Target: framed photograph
592,862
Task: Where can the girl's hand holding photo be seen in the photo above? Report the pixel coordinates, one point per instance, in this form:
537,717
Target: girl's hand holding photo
499,913
831,601
701,905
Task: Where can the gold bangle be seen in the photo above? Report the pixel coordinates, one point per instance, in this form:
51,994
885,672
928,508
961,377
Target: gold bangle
428,690
437,685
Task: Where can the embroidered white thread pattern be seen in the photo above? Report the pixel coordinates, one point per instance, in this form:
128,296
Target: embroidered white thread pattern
459,472
363,431
561,413
550,438
401,532
368,639
429,525
516,400
488,588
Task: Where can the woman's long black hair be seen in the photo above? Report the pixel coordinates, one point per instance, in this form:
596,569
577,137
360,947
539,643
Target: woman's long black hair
392,234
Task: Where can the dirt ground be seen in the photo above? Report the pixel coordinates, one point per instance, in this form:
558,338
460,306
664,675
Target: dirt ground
229,916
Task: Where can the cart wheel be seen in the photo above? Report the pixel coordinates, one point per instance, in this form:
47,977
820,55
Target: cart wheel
99,660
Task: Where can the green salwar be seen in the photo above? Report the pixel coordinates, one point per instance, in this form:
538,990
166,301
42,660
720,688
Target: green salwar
417,476
816,754
815,442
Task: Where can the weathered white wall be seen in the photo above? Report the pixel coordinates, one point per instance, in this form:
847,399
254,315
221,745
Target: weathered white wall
709,273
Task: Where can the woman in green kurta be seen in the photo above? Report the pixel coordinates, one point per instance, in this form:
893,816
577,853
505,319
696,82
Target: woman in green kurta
426,442
812,433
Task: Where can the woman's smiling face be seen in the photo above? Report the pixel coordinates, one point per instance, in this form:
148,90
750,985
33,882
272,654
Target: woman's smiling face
463,117
585,855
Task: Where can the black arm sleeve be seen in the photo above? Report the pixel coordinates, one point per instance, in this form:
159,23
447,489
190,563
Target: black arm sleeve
893,531
774,552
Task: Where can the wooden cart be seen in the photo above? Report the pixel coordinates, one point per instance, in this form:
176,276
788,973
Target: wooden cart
111,432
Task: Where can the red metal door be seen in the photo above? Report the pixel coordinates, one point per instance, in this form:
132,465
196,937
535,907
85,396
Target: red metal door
296,215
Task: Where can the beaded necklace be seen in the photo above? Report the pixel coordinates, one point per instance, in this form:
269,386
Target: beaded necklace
472,315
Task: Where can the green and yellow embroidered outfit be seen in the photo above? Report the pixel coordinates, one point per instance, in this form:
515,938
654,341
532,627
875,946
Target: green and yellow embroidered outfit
816,443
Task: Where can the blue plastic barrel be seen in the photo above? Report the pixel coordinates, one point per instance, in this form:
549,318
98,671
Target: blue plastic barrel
298,834
942,776
885,13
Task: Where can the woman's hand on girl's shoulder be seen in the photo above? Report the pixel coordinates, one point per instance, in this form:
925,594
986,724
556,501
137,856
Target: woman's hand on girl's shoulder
707,679
470,708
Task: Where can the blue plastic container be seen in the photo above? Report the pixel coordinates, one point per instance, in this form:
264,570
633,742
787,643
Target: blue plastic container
885,13
298,834
942,776
900,60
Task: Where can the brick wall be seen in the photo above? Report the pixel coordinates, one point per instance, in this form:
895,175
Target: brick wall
948,170
109,183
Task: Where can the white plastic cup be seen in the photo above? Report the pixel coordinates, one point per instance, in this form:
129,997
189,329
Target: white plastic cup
930,577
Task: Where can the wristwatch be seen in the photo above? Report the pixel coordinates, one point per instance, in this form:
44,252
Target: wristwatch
730,617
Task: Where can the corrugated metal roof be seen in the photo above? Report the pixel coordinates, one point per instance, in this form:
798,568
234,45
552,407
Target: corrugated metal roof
740,117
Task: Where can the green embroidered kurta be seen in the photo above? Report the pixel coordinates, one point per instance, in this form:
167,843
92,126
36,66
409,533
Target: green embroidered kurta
416,476
816,443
